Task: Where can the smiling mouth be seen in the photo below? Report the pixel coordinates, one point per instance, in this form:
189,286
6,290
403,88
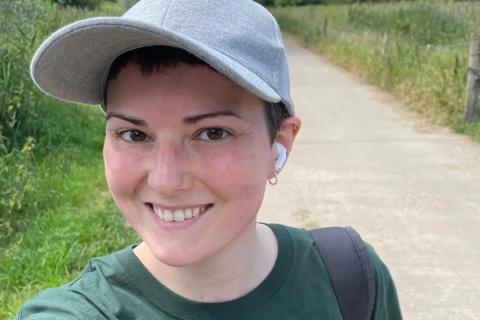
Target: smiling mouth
178,215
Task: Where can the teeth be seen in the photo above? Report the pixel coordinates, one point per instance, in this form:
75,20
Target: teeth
196,211
179,214
158,212
167,215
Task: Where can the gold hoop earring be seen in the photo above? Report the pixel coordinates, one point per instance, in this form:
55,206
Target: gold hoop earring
273,181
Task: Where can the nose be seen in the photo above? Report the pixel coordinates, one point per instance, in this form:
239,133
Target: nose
169,172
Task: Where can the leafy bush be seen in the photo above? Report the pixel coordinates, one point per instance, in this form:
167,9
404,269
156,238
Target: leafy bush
98,4
34,128
15,177
90,4
23,113
25,23
17,38
54,207
32,184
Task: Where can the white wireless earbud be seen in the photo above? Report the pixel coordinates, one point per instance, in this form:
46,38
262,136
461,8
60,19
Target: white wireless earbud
281,156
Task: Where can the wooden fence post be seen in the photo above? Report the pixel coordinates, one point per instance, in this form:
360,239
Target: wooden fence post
473,79
385,44
325,26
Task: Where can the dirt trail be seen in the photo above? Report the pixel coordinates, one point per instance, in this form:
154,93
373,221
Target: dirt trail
410,189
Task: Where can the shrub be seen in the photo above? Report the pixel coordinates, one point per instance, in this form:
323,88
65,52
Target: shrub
35,129
89,4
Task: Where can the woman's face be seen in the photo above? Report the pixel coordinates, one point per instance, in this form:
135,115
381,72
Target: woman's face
185,144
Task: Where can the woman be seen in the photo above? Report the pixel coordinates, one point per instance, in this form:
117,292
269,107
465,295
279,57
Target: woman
198,119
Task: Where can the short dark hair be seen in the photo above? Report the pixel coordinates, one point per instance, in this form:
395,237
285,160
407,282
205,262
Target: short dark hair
156,58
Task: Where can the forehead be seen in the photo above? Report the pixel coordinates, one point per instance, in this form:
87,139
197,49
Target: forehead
180,85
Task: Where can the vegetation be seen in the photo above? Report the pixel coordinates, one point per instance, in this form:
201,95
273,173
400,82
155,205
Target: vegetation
54,208
307,2
95,4
417,49
289,2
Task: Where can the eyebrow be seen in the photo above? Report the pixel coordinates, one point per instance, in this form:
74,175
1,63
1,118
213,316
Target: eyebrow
186,120
196,118
135,121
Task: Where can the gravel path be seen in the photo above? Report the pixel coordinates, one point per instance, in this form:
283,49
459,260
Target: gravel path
411,189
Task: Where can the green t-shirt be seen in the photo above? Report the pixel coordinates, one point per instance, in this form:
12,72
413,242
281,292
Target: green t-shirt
118,286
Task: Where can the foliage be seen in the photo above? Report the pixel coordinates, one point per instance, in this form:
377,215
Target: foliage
126,4
33,126
97,4
33,179
418,50
90,4
309,2
18,37
22,112
288,2
82,223
420,23
54,208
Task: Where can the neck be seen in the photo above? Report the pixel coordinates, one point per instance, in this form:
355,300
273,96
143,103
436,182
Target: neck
228,274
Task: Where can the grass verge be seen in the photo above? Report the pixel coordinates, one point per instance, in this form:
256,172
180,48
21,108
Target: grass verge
55,244
417,50
55,212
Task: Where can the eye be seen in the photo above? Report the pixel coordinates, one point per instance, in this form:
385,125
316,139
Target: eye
213,134
132,136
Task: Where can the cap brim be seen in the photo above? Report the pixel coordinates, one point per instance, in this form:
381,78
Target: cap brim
73,63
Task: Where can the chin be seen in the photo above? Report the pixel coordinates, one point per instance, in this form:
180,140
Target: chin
177,263
173,259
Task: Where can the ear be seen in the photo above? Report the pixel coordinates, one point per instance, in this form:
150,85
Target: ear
286,136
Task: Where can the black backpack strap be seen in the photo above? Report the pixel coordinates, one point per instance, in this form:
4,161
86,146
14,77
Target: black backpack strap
350,270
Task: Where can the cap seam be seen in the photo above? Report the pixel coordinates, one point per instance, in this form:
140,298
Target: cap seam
166,12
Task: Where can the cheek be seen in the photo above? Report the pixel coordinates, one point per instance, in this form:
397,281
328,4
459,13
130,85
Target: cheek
236,171
122,169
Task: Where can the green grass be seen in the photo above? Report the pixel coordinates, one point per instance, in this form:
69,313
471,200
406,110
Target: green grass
33,178
55,211
426,57
64,214
55,244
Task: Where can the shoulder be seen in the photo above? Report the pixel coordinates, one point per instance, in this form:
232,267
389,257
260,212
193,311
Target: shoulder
293,233
80,299
381,270
386,300
58,303
387,306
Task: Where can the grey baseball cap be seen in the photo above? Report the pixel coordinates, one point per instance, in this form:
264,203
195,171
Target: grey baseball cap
238,38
